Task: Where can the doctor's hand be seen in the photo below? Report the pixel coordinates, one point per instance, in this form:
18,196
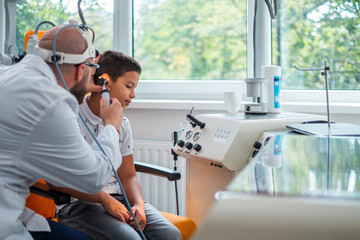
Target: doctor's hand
92,87
112,114
139,213
115,208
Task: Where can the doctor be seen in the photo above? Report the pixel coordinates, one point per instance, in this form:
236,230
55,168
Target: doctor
39,132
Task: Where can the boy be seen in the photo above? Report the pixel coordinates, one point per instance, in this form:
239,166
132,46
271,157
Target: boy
104,215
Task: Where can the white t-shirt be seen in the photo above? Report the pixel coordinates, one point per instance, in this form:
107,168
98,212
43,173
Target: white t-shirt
96,125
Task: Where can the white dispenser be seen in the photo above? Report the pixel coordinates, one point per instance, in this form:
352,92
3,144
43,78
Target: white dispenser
256,89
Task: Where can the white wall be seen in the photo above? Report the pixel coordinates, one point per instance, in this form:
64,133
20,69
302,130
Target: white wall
157,124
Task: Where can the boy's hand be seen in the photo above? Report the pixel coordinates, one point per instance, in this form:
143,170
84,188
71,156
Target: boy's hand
115,209
140,217
112,114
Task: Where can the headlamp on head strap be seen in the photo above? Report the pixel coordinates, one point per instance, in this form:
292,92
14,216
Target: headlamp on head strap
62,58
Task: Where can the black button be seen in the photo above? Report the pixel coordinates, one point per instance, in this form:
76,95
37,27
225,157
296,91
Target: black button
188,145
180,143
197,147
257,145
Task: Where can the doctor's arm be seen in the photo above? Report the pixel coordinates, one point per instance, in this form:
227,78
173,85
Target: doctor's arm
56,151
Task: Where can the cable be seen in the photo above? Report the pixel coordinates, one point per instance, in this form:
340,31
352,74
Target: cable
81,13
272,14
41,23
128,206
175,136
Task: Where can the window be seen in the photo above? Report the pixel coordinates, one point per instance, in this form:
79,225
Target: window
190,40
197,49
97,13
308,32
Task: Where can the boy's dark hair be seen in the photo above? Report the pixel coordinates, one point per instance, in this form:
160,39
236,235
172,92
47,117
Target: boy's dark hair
116,64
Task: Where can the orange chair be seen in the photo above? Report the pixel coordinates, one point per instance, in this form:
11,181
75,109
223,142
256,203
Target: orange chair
30,33
44,206
43,200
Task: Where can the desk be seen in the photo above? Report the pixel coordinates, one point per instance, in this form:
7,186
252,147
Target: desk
298,187
215,152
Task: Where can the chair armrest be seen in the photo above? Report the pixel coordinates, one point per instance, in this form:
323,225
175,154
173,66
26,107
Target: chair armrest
170,174
43,190
59,198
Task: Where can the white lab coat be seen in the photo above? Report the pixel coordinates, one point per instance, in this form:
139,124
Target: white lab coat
40,138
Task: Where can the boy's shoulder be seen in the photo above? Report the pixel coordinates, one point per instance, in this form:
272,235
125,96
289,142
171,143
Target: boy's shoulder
126,122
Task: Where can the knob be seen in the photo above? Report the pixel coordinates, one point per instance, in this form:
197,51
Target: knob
188,145
267,140
180,143
257,145
197,147
253,154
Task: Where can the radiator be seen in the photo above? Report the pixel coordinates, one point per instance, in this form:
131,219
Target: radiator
158,191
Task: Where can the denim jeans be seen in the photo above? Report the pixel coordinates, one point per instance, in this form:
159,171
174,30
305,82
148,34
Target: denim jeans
92,219
59,232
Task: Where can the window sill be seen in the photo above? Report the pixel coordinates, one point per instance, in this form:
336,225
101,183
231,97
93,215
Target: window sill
174,104
318,107
218,105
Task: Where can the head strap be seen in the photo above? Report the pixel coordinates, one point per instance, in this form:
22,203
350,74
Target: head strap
61,57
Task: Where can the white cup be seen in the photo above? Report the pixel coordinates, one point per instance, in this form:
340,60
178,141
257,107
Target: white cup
232,101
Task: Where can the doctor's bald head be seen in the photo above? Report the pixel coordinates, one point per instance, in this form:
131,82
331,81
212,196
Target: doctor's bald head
68,40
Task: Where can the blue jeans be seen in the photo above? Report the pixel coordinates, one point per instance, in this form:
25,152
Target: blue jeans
92,219
59,232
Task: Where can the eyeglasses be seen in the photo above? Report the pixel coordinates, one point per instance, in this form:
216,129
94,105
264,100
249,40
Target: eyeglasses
93,65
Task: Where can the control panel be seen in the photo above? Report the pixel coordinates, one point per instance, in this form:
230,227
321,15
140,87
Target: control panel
226,140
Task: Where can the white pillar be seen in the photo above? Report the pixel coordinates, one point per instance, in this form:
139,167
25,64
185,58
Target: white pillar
258,37
123,26
10,23
2,26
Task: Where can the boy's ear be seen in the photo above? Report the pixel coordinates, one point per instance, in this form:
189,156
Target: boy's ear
104,77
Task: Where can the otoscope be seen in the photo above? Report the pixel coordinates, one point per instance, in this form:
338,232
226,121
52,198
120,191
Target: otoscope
103,80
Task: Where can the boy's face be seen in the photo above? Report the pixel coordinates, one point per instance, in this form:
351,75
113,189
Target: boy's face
124,88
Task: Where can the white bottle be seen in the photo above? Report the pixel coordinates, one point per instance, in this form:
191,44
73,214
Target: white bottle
273,74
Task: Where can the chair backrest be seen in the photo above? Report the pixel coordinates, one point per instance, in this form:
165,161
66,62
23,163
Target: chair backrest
28,34
41,205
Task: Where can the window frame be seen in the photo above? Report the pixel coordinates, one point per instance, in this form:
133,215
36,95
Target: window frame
152,91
